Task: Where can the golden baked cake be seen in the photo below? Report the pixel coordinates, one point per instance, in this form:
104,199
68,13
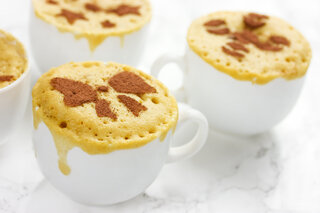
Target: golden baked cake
94,20
250,46
13,59
102,107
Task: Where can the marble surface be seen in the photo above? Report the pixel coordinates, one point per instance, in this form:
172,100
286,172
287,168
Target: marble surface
276,172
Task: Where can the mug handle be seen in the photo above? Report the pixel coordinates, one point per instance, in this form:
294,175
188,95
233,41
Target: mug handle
165,59
186,113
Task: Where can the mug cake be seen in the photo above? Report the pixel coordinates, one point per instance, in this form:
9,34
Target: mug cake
243,70
94,20
98,127
14,84
250,46
13,59
101,108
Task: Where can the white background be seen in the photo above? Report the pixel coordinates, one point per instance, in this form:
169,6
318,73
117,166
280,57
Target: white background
276,172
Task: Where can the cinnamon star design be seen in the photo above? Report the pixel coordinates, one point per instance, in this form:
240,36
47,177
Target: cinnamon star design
107,24
71,16
125,9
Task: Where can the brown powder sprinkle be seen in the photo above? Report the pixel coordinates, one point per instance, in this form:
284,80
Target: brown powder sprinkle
63,124
134,106
246,37
128,82
52,2
268,46
107,24
75,93
92,7
237,46
103,109
239,37
254,20
4,78
221,31
71,16
280,40
231,52
125,9
103,89
214,23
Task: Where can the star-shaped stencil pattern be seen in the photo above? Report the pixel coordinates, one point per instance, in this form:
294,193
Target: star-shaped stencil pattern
125,9
71,16
93,7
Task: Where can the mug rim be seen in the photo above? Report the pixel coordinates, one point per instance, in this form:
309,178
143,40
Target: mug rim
16,82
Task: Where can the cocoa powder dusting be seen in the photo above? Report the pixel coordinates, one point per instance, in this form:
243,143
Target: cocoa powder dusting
280,40
71,16
258,16
246,37
103,89
128,82
63,125
92,7
103,109
268,46
231,52
239,37
75,93
134,106
4,78
125,9
237,46
254,20
52,2
221,31
107,24
214,23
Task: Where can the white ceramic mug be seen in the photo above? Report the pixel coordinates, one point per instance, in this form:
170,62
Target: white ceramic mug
230,105
105,179
51,48
13,102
